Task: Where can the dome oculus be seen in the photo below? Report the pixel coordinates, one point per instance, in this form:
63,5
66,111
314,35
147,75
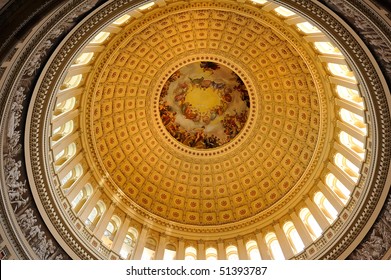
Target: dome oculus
204,105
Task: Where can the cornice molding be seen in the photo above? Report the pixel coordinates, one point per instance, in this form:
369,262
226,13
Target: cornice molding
19,77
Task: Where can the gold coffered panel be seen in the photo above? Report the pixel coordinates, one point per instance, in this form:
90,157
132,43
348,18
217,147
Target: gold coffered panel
261,169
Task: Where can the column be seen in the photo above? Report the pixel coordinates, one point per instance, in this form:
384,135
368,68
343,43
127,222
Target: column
270,6
161,3
74,191
316,38
342,177
181,249
79,69
60,120
66,94
283,241
352,131
138,252
135,14
263,249
331,197
318,215
301,229
102,224
242,251
94,49
201,250
89,205
294,20
221,254
348,105
161,247
65,141
348,154
332,58
120,236
344,82
66,168
113,29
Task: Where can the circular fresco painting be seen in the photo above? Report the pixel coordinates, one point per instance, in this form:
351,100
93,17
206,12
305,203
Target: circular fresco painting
204,105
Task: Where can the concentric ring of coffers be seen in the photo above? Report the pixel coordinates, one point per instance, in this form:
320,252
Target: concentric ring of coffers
226,186
218,189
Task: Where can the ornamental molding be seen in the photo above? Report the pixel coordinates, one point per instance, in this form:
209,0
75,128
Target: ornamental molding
372,29
35,238
196,157
20,80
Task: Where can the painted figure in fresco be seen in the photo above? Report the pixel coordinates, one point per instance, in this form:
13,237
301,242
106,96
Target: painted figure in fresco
187,138
175,76
227,97
218,85
200,134
197,128
211,142
197,81
206,119
209,66
206,83
189,113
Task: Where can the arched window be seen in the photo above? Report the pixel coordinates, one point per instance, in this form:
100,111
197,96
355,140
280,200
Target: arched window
293,237
111,230
64,106
341,70
92,216
81,198
190,253
324,205
77,199
352,143
72,177
129,243
338,188
259,1
83,59
274,246
310,223
347,167
211,253
95,215
252,250
147,6
284,12
354,120
307,28
149,250
232,252
65,155
100,38
169,252
127,247
350,95
327,48
59,154
122,20
62,131
71,82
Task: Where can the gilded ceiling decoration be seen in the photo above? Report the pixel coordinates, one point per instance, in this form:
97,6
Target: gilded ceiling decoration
156,142
201,125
